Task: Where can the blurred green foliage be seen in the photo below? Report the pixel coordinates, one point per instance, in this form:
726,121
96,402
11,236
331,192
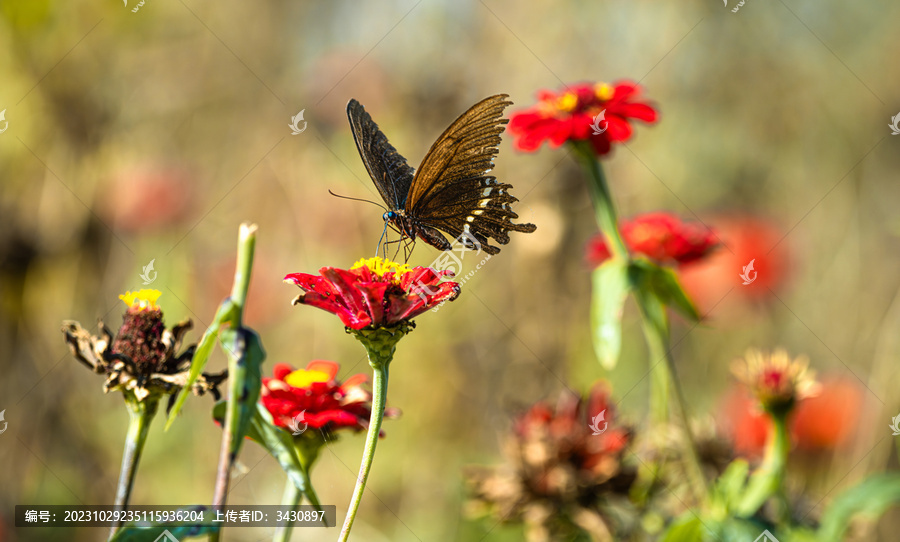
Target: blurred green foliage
152,135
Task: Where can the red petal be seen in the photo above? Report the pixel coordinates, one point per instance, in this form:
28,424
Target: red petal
281,370
328,367
618,129
637,111
354,381
373,294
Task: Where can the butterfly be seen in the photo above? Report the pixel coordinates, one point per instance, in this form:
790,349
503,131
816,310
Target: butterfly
451,192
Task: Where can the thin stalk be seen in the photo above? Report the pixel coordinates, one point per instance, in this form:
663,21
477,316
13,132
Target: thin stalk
604,208
292,497
379,398
246,248
663,382
768,478
140,415
227,456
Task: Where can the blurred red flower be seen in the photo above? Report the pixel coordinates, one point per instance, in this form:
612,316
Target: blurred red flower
374,292
146,199
570,426
660,236
597,112
820,423
315,397
564,466
744,238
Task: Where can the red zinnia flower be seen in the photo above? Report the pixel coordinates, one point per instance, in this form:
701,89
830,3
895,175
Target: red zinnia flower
662,237
313,396
374,292
596,112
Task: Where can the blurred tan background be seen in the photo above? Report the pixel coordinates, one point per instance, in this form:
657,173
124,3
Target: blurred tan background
150,135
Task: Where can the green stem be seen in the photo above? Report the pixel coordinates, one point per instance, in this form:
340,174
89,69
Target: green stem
228,450
311,495
246,248
768,479
292,497
379,397
662,382
604,208
140,415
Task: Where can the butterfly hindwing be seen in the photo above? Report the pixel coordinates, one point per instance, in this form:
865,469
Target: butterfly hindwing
388,169
452,191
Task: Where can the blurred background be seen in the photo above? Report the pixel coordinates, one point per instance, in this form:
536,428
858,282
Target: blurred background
150,135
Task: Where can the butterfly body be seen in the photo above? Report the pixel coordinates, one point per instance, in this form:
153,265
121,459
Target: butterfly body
451,192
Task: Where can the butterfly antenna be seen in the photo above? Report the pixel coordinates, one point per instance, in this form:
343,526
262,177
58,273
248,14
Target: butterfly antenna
357,199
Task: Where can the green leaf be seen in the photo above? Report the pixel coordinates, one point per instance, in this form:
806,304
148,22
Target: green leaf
278,442
730,485
688,528
245,357
610,290
870,498
131,532
663,283
201,356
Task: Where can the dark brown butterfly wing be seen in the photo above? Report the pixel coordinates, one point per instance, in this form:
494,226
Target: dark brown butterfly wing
388,169
452,191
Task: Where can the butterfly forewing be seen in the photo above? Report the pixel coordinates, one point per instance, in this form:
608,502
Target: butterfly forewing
388,169
452,191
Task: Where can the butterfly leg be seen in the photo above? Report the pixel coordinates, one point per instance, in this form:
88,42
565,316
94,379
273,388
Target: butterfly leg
408,247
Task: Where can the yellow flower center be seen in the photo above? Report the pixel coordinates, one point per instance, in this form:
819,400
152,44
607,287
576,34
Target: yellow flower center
603,91
301,378
567,102
142,299
381,266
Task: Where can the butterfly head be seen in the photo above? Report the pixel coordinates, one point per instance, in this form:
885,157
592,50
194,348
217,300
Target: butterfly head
390,216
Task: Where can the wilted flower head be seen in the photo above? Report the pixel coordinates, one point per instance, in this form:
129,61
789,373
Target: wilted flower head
143,357
375,292
776,380
313,397
597,112
662,237
563,466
